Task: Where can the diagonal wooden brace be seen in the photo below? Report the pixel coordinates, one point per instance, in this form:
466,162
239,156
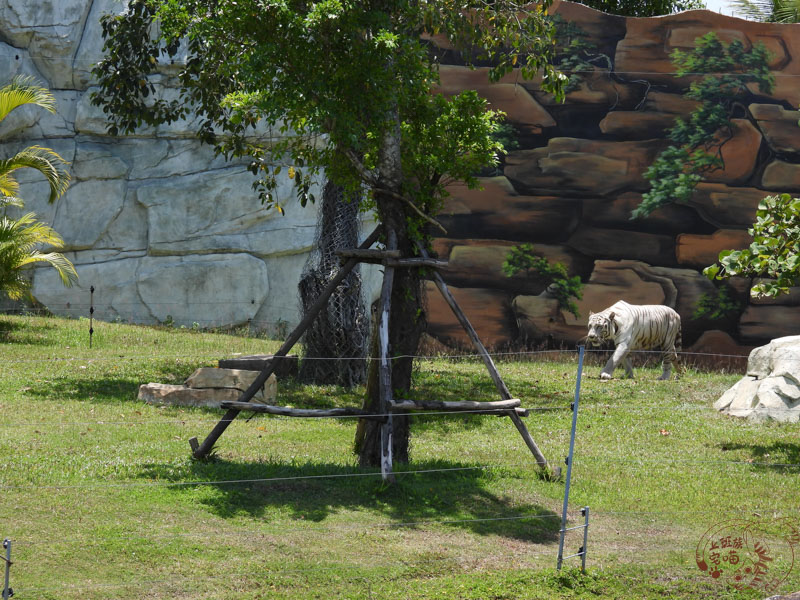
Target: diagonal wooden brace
202,450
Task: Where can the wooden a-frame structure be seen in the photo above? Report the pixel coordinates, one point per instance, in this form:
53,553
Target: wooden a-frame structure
391,260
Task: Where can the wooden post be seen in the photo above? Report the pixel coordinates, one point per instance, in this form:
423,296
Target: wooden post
385,368
487,360
202,450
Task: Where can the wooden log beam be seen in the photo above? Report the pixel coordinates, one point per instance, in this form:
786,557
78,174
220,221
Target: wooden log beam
433,263
200,451
287,411
455,405
368,255
391,258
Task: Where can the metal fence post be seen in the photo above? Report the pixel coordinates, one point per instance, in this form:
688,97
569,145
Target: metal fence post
7,591
91,314
570,458
585,512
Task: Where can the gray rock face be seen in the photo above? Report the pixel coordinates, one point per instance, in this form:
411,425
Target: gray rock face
771,388
164,230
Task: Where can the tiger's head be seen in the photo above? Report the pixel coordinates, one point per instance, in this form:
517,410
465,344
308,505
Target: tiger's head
601,328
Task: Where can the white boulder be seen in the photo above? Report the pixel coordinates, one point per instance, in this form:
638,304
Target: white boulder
771,388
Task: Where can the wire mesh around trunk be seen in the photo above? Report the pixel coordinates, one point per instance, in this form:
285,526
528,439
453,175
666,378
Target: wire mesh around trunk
336,342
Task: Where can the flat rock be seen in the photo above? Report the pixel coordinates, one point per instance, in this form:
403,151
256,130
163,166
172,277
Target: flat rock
498,212
739,153
595,166
651,248
703,250
238,379
727,207
779,127
480,262
781,176
180,395
761,323
636,125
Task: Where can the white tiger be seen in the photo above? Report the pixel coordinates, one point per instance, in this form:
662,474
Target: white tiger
636,327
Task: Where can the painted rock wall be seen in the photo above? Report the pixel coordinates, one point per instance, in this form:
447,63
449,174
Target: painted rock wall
577,174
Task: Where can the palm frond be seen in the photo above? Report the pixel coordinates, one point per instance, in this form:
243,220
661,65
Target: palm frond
786,11
24,90
8,185
44,160
20,240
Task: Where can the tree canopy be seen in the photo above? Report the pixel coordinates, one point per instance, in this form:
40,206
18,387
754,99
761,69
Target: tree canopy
643,8
341,85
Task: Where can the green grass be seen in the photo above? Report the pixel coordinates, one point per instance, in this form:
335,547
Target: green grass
101,499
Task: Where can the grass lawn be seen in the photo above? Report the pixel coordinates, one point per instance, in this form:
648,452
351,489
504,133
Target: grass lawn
101,499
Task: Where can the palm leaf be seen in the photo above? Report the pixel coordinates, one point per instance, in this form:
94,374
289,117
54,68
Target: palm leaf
44,160
20,240
23,90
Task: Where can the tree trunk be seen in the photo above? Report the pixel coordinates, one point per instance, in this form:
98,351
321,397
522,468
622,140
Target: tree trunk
406,318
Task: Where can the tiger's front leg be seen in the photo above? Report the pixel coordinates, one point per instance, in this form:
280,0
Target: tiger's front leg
620,353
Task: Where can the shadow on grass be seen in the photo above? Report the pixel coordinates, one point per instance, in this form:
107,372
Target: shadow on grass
19,332
104,385
458,498
785,455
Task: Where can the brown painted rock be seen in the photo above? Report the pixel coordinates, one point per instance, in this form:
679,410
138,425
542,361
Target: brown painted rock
670,104
760,324
506,95
487,310
598,167
719,342
739,153
498,212
781,176
790,299
210,377
727,207
703,250
180,395
594,89
479,263
614,212
648,43
636,125
541,321
613,243
779,127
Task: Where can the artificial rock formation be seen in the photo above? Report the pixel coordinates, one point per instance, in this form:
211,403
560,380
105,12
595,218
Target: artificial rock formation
771,388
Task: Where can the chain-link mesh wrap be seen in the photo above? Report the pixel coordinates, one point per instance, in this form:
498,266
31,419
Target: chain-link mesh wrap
341,329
